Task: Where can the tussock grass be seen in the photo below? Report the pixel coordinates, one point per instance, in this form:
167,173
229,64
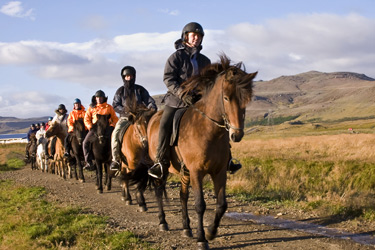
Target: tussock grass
335,173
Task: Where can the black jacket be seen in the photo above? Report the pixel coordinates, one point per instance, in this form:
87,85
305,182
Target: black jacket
178,69
141,94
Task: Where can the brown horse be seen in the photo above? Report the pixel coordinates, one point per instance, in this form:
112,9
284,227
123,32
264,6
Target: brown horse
60,132
205,131
135,151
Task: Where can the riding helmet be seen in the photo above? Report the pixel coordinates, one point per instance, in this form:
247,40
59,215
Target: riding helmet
192,27
77,101
50,118
99,93
128,70
61,106
43,124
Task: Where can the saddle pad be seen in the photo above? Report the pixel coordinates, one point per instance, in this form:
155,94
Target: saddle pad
176,124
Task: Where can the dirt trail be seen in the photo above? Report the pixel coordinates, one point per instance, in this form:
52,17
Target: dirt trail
233,234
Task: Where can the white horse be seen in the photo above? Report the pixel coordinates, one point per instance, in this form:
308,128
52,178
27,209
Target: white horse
41,154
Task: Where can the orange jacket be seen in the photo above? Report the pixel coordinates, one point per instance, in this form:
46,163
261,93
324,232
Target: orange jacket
101,109
75,115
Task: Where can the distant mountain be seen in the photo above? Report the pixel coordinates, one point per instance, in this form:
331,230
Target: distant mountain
309,96
10,125
314,96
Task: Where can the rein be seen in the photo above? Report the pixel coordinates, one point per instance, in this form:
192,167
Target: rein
226,124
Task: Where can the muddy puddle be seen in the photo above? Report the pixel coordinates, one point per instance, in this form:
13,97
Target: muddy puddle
364,238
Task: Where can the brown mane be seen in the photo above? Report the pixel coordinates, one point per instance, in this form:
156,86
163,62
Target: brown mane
202,83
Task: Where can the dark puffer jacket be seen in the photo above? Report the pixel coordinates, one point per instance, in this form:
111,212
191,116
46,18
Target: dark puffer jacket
178,69
141,94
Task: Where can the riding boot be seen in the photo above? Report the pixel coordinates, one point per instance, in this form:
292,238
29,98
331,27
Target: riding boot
89,166
234,165
159,168
115,166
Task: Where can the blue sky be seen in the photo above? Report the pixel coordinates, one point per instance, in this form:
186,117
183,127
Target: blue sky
52,52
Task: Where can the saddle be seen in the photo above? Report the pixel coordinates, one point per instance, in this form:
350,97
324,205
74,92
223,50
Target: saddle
120,138
176,124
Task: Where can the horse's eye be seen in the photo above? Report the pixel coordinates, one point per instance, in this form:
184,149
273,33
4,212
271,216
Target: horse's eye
226,98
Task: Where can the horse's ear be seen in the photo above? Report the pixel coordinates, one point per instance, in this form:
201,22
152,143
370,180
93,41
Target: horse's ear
252,75
131,118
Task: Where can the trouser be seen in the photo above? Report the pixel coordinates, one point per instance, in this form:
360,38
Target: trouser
68,142
115,142
53,146
89,139
28,147
166,126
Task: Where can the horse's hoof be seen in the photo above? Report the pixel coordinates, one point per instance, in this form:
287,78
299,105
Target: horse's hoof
211,234
163,227
142,209
127,202
100,191
82,180
203,246
187,233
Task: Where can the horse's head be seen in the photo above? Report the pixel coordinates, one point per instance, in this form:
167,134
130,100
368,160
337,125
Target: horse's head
79,130
225,90
237,91
140,121
101,127
56,129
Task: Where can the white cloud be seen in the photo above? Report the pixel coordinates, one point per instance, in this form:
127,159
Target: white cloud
170,12
296,44
15,9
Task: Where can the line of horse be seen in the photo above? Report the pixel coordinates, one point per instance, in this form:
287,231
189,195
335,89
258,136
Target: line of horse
202,148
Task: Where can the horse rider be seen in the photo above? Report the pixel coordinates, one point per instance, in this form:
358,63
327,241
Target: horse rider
32,130
78,112
60,117
37,126
184,63
122,102
49,122
99,106
41,132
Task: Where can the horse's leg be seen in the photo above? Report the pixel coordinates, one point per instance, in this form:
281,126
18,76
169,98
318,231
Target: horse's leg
159,191
125,189
141,187
99,176
221,203
108,177
81,177
200,207
184,196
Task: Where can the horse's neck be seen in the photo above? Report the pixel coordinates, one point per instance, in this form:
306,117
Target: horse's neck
212,104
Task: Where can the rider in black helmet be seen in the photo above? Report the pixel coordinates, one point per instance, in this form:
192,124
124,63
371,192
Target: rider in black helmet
123,103
185,62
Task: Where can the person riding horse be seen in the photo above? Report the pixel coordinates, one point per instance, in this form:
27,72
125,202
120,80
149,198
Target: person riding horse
60,117
41,133
78,112
185,62
122,103
99,106
32,130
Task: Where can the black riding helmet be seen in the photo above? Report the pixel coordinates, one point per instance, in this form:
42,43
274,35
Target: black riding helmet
99,93
128,70
192,27
61,106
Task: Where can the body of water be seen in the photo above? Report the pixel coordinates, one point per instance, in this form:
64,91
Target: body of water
13,136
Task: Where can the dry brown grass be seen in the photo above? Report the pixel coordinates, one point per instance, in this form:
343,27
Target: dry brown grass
342,147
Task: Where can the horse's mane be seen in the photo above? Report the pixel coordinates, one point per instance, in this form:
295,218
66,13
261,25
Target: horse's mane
202,83
79,124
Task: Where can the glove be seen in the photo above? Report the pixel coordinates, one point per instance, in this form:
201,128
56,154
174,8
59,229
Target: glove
187,99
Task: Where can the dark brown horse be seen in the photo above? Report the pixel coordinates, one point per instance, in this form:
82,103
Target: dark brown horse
101,148
136,160
32,152
77,160
205,131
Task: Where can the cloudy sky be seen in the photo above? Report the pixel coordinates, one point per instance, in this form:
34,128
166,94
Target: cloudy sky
52,52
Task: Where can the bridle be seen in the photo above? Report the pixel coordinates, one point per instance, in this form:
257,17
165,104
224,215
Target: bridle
142,139
224,115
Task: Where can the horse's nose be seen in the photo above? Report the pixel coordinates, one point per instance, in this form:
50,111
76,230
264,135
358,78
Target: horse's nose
236,136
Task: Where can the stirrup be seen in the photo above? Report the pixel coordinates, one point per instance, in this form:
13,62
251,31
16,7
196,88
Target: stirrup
156,171
115,166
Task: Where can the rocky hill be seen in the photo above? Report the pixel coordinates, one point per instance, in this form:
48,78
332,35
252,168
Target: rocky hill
307,96
315,96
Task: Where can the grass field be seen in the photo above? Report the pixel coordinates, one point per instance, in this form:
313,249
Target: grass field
28,221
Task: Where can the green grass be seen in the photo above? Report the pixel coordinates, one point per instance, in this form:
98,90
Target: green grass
28,221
